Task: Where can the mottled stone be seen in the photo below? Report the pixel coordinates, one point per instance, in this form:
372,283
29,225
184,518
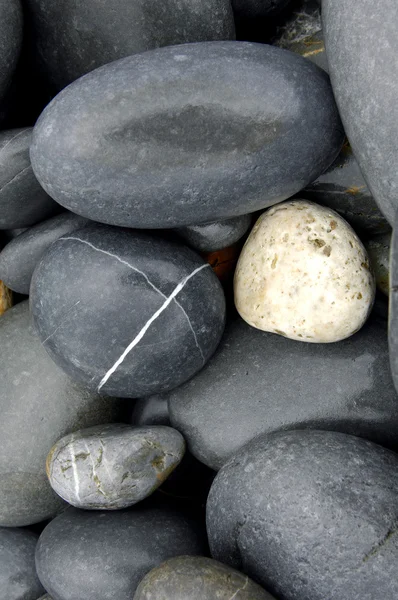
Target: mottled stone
103,555
378,249
150,289
252,9
38,405
23,201
304,273
19,258
210,237
309,514
362,44
18,578
187,134
11,24
260,382
113,466
74,38
5,298
197,578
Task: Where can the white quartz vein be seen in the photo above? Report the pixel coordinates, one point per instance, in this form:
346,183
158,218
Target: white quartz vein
62,322
74,469
147,325
240,589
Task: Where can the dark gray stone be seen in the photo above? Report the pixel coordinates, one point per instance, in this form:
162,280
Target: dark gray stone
362,45
74,38
252,9
20,257
11,24
23,201
97,293
310,515
217,235
38,405
150,411
243,127
378,249
197,578
104,555
18,578
393,307
113,466
260,382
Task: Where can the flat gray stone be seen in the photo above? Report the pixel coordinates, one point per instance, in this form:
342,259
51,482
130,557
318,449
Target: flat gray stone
104,555
11,24
39,404
361,41
260,382
18,578
19,258
158,318
217,235
309,515
244,126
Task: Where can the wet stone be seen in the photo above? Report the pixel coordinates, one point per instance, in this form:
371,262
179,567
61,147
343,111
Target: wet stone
215,236
18,578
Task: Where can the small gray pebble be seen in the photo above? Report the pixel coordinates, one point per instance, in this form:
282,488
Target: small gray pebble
217,235
18,578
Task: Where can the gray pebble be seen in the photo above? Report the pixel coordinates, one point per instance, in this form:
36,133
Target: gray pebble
18,578
215,236
378,249
11,24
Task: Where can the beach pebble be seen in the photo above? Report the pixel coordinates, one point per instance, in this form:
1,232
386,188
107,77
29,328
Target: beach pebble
18,578
378,249
215,236
11,25
304,274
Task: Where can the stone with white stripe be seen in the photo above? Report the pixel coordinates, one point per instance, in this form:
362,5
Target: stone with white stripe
126,313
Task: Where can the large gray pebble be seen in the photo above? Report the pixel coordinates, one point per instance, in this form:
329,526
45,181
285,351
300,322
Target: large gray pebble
11,24
217,235
39,404
104,555
187,134
260,382
18,578
310,515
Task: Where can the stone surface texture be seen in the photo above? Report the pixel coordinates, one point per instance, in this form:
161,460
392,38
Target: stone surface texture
217,235
18,578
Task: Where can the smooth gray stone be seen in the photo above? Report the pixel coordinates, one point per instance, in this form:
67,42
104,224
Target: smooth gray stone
19,258
393,307
18,578
378,249
11,24
243,126
260,382
361,41
309,515
252,9
104,555
38,405
126,313
73,38
23,202
197,578
113,466
150,411
217,235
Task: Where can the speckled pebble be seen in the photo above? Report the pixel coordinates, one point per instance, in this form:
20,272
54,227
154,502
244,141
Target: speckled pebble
113,466
379,253
210,237
303,273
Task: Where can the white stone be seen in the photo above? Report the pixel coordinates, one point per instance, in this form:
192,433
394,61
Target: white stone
304,273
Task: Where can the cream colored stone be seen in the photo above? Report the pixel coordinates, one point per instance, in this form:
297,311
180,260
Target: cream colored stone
304,273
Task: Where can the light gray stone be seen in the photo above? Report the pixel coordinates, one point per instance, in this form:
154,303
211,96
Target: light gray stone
18,578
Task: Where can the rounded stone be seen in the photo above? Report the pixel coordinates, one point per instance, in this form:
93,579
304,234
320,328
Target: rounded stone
197,578
378,249
309,514
73,38
11,25
23,202
39,404
210,237
265,383
18,578
244,126
304,274
103,555
20,257
158,318
113,466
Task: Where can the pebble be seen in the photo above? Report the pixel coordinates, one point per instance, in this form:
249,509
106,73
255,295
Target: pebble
18,578
215,236
378,249
11,24
103,555
23,202
259,382
38,405
309,515
113,466
73,38
197,578
362,44
233,127
20,257
304,274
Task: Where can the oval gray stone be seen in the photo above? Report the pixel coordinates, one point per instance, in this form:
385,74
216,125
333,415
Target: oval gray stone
104,555
39,404
309,514
266,382
197,578
209,237
18,578
244,126
11,25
